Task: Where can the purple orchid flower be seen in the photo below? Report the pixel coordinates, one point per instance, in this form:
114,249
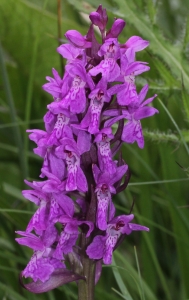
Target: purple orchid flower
56,86
75,98
55,188
116,29
46,142
102,140
51,206
78,157
69,235
99,18
59,120
108,67
51,163
72,54
70,152
76,38
98,96
42,263
60,130
136,43
126,92
136,111
52,185
104,189
40,219
102,246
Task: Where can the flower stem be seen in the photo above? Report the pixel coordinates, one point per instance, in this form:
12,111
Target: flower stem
86,288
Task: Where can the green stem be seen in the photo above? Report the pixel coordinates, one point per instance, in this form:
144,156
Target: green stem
86,288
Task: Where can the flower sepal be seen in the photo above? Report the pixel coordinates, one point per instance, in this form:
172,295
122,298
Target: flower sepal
57,278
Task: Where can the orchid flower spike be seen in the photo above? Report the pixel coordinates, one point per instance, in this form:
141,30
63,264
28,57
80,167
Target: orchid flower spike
95,108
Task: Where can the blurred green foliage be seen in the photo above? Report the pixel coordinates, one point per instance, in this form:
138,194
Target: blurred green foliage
159,268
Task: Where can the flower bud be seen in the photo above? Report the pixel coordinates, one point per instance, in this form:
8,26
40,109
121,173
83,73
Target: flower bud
95,19
76,38
116,29
99,18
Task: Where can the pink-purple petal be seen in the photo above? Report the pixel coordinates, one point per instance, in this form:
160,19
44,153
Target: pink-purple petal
137,43
57,278
96,248
145,112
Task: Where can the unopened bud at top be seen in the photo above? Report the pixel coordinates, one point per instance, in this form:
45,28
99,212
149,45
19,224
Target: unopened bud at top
76,38
99,18
116,29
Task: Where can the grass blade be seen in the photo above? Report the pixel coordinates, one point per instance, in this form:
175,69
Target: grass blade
16,131
139,274
176,126
120,283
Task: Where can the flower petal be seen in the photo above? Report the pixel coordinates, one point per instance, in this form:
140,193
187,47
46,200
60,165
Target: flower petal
137,43
57,278
96,248
145,112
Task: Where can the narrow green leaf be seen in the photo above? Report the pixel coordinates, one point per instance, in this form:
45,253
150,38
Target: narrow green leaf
158,181
185,134
143,163
160,85
133,273
139,275
186,36
19,123
151,10
165,73
51,295
176,126
16,131
120,283
13,191
158,45
32,74
9,269
6,244
125,270
117,292
15,211
16,150
12,257
185,99
157,267
9,291
157,136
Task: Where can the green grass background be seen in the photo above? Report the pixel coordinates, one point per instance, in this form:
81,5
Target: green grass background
147,266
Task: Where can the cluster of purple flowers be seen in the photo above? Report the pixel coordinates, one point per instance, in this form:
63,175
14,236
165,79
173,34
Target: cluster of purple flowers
97,90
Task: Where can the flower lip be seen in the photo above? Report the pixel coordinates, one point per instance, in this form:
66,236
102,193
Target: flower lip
104,188
104,136
100,95
69,153
111,47
119,225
